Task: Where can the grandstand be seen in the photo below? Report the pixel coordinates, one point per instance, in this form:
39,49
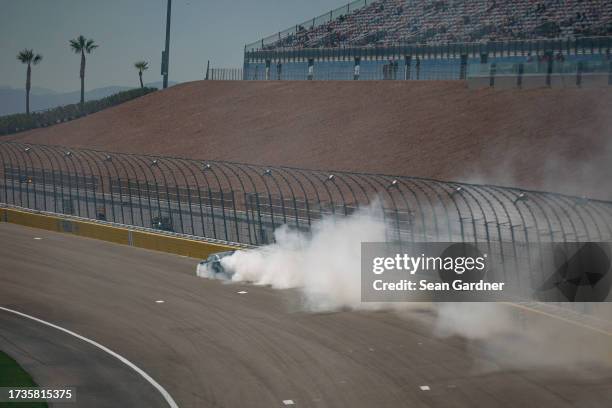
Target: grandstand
392,22
458,32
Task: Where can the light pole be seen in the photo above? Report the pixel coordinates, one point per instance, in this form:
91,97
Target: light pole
166,53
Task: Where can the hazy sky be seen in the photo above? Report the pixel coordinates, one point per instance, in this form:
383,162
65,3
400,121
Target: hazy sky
131,30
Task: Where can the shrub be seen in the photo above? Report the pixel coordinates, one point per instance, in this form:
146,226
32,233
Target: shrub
19,122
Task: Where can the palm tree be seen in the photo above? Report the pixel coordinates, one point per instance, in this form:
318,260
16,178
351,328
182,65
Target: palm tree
141,66
28,57
81,45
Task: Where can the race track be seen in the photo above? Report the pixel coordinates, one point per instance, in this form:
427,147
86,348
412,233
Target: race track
210,346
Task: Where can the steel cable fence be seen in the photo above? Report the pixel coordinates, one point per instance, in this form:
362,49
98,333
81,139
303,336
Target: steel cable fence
246,203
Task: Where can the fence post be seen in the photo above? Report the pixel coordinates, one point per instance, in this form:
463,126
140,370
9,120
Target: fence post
610,73
579,74
492,73
408,60
549,70
207,69
463,69
519,78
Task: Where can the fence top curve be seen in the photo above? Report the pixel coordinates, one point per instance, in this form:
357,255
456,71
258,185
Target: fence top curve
416,207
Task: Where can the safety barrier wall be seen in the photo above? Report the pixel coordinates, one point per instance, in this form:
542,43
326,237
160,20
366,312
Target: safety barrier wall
116,234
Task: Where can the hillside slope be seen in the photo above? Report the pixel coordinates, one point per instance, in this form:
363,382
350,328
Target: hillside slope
555,139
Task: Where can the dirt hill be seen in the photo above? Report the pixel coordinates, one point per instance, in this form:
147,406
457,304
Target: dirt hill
554,139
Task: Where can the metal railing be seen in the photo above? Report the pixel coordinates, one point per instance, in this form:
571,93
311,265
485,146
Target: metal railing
225,74
246,203
309,24
544,73
568,46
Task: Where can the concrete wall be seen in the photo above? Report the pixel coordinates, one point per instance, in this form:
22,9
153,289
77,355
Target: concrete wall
118,235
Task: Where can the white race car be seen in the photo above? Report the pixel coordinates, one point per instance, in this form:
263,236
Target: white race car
212,268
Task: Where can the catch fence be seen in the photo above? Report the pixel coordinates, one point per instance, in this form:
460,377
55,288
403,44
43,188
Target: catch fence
246,203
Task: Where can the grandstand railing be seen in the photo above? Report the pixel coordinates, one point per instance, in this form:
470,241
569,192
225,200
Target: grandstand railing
575,72
568,46
308,24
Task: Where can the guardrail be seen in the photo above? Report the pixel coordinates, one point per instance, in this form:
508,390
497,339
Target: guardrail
547,72
244,203
224,74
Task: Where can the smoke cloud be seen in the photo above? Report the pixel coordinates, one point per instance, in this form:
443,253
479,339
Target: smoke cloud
325,267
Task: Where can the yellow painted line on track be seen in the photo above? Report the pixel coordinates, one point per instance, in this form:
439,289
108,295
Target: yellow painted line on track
583,325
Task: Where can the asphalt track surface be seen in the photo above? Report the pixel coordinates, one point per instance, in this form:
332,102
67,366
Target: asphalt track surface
209,346
59,360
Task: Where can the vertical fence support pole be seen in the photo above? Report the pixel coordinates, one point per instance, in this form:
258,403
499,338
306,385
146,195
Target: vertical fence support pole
549,70
112,199
212,211
20,184
463,69
5,185
264,239
408,60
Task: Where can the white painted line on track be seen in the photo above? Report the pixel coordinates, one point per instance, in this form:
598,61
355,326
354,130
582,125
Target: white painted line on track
165,394
37,238
242,292
160,301
288,402
424,388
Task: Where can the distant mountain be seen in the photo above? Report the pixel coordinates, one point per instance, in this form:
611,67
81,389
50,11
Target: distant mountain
159,84
13,100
